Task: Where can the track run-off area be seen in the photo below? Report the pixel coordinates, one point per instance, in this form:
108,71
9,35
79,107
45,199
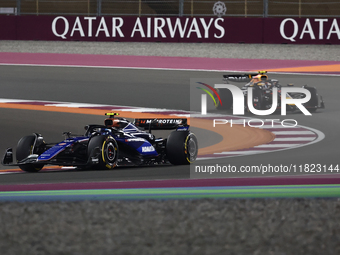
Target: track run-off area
37,88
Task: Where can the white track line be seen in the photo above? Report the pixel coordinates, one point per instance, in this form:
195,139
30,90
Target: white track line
164,69
274,145
294,139
293,133
241,152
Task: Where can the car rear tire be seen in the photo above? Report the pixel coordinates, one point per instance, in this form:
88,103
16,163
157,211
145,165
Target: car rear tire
181,148
105,148
313,103
24,149
258,101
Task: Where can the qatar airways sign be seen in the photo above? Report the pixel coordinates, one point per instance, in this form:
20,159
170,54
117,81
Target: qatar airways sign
171,29
307,29
304,31
153,28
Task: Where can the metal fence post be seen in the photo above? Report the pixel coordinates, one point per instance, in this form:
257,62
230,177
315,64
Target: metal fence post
140,8
37,6
18,7
99,7
300,8
181,6
192,8
245,8
265,8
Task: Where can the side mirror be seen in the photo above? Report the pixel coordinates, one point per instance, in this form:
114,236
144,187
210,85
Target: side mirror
8,157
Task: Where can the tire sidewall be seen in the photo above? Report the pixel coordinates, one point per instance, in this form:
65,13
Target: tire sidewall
259,95
24,149
179,147
104,143
109,152
191,148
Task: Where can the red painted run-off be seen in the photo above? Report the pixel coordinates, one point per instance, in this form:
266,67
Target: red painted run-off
189,63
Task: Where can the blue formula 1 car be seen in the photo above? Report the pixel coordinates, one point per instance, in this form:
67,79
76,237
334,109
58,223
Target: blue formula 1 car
116,143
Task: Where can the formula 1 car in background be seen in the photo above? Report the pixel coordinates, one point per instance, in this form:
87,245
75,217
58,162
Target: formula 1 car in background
263,93
118,142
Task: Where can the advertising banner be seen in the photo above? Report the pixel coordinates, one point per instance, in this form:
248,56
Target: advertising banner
132,29
8,27
171,29
301,30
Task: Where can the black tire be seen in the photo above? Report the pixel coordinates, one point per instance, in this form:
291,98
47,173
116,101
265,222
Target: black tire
226,98
106,149
258,101
24,149
313,103
181,148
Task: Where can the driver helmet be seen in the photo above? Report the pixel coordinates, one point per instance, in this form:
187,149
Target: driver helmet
109,123
258,78
253,81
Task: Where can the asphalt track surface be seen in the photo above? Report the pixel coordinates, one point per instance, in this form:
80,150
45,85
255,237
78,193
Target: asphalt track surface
143,88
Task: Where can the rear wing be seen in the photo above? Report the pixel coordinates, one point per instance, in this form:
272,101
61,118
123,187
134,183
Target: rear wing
246,77
165,124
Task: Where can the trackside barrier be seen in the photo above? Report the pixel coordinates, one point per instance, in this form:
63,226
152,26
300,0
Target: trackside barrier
172,29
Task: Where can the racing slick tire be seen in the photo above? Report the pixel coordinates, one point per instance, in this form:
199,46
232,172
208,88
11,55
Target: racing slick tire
105,150
313,103
226,98
24,149
181,147
258,101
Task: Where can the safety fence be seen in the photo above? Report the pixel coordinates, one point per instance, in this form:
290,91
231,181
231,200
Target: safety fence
177,8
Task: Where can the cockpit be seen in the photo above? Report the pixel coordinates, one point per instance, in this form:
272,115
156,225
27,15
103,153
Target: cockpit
259,79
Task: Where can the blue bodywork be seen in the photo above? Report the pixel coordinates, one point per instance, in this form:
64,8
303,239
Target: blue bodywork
56,149
118,142
131,136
